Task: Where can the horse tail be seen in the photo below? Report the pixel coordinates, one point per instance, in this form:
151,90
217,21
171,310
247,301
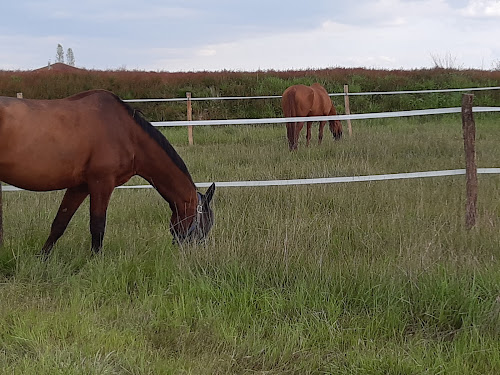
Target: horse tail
289,110
289,103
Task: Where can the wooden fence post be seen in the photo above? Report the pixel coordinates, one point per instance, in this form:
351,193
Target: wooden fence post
189,118
1,217
469,129
347,109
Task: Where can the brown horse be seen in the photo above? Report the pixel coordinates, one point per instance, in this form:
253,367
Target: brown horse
304,101
89,144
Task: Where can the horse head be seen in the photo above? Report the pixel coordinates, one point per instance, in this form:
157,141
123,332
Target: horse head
336,128
202,222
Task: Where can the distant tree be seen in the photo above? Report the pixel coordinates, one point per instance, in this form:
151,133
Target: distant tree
496,65
59,54
70,57
448,61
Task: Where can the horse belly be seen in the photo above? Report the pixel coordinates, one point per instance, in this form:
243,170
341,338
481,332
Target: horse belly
41,165
39,175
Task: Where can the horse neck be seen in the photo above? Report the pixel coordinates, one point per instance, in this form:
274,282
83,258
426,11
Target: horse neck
154,165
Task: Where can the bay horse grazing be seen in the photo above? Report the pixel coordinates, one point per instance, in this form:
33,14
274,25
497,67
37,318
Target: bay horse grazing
304,101
89,144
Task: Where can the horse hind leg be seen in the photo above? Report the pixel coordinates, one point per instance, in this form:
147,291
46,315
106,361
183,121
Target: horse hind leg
308,133
290,131
73,198
320,134
100,195
293,131
298,129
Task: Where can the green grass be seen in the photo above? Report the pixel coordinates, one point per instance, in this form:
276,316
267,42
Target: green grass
360,278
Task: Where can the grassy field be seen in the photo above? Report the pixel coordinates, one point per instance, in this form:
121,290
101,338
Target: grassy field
360,278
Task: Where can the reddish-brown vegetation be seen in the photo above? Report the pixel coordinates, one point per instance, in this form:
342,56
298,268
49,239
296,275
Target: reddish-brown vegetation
62,81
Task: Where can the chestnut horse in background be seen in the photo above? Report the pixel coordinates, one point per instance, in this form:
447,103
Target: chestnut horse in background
304,101
89,144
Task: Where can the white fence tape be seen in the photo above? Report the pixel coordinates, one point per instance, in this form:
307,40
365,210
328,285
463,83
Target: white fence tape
333,94
416,91
336,180
313,181
360,116
202,99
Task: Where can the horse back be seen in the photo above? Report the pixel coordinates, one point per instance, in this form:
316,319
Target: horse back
297,101
62,120
322,102
60,140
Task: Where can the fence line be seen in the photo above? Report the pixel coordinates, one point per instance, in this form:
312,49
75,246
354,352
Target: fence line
318,118
333,94
201,99
348,116
333,179
315,181
359,116
417,91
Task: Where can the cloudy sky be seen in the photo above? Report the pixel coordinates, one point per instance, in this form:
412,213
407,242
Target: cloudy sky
193,35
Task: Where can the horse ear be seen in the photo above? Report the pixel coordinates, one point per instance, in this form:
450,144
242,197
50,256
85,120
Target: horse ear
207,198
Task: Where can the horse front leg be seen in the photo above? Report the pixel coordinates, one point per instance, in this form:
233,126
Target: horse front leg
100,194
73,198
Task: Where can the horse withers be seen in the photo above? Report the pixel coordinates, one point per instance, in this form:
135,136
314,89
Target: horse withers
305,101
89,144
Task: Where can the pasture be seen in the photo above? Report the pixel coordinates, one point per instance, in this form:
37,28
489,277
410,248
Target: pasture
359,278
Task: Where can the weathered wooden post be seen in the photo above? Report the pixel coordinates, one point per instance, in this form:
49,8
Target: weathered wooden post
189,118
347,109
469,129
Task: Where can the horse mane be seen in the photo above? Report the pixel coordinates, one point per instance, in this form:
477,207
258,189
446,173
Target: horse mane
154,133
157,136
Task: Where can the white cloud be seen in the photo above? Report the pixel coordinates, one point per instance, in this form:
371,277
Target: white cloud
406,36
27,49
399,12
207,52
141,14
332,44
388,34
482,8
113,11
